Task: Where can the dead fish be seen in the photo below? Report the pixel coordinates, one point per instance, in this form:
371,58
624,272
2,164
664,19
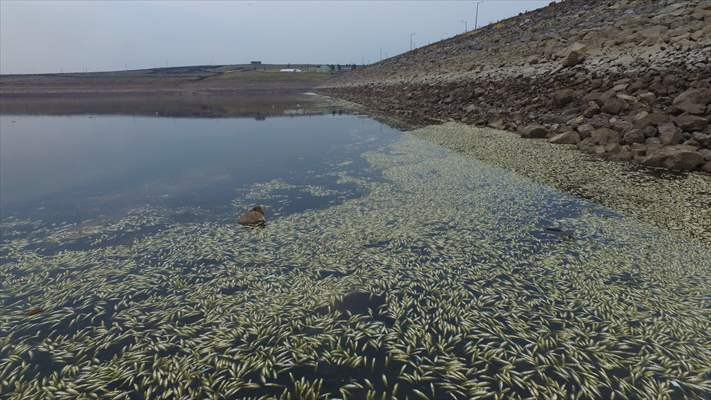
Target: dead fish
254,217
34,311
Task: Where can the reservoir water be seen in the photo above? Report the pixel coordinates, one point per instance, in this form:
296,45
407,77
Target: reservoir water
389,267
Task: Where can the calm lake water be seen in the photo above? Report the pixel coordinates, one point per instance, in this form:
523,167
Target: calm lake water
71,168
389,268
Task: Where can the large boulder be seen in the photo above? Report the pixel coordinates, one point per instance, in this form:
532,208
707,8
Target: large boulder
703,139
669,134
534,131
497,124
692,101
644,119
620,125
706,153
633,136
691,123
564,97
574,55
614,106
569,137
679,157
585,130
602,140
604,136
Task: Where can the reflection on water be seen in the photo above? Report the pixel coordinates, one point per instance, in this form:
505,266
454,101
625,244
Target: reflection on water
73,168
255,104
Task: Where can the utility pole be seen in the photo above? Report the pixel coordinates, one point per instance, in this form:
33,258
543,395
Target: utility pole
476,17
381,54
411,36
466,26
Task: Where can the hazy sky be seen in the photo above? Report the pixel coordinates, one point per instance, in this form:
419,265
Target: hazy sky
53,36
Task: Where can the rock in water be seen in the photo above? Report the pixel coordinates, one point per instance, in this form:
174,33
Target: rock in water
254,217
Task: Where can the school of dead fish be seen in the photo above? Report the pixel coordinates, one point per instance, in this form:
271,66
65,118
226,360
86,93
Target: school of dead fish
449,279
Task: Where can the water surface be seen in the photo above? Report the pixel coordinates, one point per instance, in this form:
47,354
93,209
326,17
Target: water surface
77,167
389,268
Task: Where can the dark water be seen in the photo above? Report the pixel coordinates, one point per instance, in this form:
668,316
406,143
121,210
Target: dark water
71,168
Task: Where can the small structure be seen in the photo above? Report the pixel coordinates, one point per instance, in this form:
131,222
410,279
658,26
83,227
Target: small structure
290,70
255,62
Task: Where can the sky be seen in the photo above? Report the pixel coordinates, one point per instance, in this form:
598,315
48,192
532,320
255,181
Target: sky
74,36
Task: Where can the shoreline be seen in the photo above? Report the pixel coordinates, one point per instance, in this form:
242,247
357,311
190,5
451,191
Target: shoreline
674,201
630,81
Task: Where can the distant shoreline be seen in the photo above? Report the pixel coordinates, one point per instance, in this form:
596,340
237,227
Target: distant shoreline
214,91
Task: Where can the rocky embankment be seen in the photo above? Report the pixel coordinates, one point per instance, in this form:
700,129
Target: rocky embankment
627,80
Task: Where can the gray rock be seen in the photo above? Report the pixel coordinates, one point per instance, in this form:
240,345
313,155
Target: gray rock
644,119
648,97
614,106
254,217
575,55
679,157
669,134
620,125
691,123
585,130
692,101
497,124
564,97
569,137
706,154
638,151
621,156
573,58
707,167
592,109
534,131
599,140
703,139
604,136
633,136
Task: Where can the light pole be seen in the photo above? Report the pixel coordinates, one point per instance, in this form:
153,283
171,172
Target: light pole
476,17
466,26
411,36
